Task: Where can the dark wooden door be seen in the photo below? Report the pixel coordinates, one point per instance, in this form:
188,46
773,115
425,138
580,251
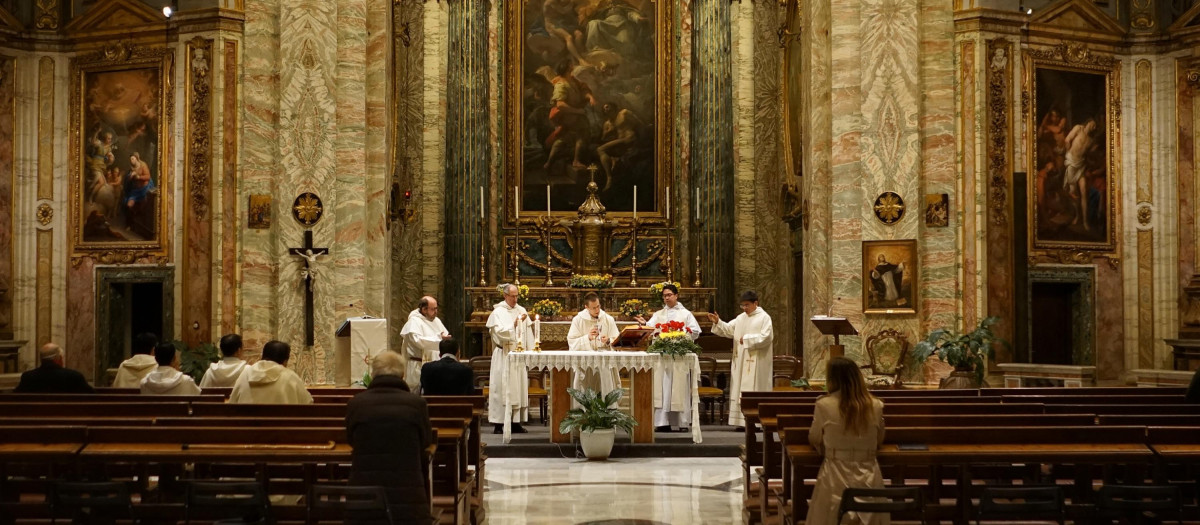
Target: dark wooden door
1052,311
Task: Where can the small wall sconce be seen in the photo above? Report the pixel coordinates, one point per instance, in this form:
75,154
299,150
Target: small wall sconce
401,205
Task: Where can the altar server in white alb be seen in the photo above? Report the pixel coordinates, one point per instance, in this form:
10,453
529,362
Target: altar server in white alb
593,330
508,325
750,367
420,337
676,410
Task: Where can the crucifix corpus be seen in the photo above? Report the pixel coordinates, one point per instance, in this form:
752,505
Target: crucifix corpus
310,254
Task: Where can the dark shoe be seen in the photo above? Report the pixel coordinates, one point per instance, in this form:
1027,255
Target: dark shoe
664,428
685,430
518,429
739,429
499,429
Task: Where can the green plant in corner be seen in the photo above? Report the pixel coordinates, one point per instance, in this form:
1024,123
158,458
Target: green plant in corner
595,412
967,352
194,360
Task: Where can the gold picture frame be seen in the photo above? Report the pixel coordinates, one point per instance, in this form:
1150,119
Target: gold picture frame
121,111
1074,117
591,39
890,276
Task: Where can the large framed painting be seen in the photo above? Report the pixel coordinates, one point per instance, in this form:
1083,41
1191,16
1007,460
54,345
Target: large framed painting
1073,143
120,116
588,94
889,277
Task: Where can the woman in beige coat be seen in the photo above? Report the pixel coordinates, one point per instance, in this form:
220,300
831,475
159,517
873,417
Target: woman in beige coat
847,429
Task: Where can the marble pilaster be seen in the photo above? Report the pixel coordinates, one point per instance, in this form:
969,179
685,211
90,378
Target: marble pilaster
8,117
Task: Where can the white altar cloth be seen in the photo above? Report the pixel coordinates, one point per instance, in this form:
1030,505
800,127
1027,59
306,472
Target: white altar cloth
519,362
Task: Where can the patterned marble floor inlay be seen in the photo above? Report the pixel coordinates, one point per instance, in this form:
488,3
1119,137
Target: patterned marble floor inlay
632,491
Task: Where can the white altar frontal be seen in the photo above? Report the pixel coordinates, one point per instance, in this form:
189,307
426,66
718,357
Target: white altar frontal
359,339
639,364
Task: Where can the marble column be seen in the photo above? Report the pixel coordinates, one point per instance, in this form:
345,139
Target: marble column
712,148
8,114
466,152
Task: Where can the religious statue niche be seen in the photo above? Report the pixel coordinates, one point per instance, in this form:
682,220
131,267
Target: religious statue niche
589,82
591,243
889,277
120,114
1075,115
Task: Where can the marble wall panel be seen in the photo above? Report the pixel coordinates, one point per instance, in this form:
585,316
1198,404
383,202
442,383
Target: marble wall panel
232,208
818,294
1143,159
1187,84
196,263
681,186
1110,322
967,221
81,316
8,116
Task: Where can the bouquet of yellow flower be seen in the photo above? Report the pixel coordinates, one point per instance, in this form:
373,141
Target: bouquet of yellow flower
674,339
546,308
591,281
656,290
634,307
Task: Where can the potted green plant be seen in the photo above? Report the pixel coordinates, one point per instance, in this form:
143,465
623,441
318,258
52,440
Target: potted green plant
194,360
966,352
595,420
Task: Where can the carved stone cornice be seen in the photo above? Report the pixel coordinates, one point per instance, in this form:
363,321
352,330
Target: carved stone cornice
1068,256
1072,53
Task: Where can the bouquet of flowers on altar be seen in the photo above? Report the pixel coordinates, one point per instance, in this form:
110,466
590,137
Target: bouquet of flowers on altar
634,307
674,339
591,281
656,293
546,308
366,378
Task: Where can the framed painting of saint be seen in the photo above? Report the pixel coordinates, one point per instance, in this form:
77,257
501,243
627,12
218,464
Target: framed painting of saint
589,85
120,113
1073,200
889,277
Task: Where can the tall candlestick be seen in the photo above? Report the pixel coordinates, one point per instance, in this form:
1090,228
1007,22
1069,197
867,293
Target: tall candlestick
481,202
635,202
547,200
517,200
668,203
697,204
537,327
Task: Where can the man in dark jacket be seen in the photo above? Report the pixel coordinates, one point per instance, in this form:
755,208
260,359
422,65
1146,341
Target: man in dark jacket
51,377
447,376
390,431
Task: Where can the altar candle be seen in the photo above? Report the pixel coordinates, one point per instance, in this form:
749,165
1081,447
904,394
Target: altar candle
668,203
481,202
517,198
635,202
537,327
547,200
697,204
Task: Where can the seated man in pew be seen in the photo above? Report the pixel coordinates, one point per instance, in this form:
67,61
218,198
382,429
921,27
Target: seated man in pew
270,381
225,373
167,380
52,377
447,376
140,364
390,431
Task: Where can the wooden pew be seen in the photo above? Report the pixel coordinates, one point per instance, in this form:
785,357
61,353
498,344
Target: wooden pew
51,410
36,454
1084,391
1178,462
105,398
1095,399
1126,409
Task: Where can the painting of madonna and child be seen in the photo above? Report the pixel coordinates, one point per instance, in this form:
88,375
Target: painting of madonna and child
1071,201
120,180
588,98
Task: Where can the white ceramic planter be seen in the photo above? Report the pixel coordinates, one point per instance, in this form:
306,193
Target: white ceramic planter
597,444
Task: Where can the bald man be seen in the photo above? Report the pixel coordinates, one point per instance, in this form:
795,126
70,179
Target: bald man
51,377
420,337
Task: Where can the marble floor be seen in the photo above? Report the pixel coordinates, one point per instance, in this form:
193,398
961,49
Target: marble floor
631,491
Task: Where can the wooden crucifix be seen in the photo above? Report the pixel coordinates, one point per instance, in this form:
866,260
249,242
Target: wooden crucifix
310,254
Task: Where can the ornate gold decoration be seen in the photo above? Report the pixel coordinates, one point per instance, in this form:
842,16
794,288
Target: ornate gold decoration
796,206
1193,77
889,207
1073,257
48,13
1145,213
308,208
117,57
45,214
121,257
1141,14
199,150
999,71
1072,54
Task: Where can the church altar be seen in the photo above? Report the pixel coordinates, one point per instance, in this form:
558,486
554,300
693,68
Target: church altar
641,366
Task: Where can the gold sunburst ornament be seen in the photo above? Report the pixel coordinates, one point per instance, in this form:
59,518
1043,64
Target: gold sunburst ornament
307,209
889,207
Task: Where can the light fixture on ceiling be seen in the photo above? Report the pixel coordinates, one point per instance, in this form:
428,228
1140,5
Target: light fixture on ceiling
1025,10
168,11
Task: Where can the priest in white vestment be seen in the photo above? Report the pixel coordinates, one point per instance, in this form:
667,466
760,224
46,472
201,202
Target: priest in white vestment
131,371
508,325
270,382
593,330
420,337
753,359
225,373
167,380
676,410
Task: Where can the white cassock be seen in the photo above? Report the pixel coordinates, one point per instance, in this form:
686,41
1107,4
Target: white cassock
676,410
505,392
752,361
420,339
578,340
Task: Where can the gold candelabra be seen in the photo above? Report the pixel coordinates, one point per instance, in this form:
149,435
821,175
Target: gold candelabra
482,258
633,269
549,256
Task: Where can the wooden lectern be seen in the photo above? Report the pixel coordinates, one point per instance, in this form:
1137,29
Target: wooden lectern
835,326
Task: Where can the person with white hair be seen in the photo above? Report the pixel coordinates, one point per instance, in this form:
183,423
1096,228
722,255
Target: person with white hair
388,427
51,377
509,325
